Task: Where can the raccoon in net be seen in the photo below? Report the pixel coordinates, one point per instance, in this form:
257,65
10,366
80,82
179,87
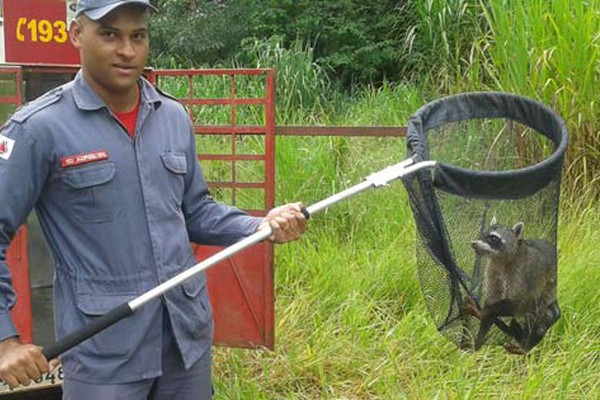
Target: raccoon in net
519,282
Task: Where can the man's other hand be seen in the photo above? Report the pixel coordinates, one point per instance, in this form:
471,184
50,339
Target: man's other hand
22,363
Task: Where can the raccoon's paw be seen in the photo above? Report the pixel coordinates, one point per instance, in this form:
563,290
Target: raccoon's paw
514,348
470,307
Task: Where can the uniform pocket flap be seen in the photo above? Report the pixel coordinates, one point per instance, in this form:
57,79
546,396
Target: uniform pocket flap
89,176
100,304
175,162
193,287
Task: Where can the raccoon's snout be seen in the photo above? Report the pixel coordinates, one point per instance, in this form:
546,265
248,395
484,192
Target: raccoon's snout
481,247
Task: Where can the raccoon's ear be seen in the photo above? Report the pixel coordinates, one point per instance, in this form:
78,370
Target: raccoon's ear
494,221
518,229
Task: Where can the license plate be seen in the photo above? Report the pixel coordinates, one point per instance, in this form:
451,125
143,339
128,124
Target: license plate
53,378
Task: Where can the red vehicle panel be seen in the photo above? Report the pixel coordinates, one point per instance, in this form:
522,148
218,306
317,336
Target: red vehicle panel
36,32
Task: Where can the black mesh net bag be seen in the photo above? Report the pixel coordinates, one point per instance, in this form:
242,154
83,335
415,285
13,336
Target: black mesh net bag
487,216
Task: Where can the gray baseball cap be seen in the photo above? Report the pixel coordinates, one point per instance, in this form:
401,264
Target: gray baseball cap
97,9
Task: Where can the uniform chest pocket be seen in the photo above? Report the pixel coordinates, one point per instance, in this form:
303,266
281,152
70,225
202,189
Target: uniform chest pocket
176,167
90,193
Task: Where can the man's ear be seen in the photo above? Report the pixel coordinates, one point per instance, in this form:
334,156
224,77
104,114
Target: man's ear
75,32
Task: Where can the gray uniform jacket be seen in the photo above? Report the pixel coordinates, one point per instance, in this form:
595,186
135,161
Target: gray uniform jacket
118,215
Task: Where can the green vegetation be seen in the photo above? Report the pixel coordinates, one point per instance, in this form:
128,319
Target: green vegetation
550,51
327,51
351,321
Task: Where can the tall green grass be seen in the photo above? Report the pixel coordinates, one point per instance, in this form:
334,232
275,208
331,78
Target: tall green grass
547,50
303,90
550,50
440,43
351,322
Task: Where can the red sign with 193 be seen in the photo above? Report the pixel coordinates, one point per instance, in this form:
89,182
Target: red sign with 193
36,32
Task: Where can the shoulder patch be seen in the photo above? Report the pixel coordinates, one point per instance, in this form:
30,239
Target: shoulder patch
32,107
6,147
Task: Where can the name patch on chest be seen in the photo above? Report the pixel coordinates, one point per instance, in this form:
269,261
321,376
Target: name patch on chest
80,159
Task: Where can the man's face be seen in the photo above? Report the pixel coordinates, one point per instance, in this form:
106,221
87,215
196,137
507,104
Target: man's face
113,50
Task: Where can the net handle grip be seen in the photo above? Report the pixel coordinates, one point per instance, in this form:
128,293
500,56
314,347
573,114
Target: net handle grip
71,340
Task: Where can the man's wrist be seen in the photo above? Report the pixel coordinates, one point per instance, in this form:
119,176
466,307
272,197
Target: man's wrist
7,327
8,343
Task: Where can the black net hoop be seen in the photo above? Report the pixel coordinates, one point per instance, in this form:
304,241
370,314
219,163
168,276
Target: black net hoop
487,216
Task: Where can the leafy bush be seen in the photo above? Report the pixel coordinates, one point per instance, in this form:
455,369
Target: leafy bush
197,32
358,40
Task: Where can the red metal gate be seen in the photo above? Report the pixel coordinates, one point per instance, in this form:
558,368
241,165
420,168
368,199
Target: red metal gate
233,113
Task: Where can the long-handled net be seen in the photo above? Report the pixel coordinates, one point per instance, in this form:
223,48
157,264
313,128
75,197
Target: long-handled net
487,216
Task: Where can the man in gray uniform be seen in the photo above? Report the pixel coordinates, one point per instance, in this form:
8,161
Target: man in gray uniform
109,164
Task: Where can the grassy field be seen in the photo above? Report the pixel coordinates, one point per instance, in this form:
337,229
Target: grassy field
351,322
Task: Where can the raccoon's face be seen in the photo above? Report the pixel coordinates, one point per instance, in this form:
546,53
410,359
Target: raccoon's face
498,243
